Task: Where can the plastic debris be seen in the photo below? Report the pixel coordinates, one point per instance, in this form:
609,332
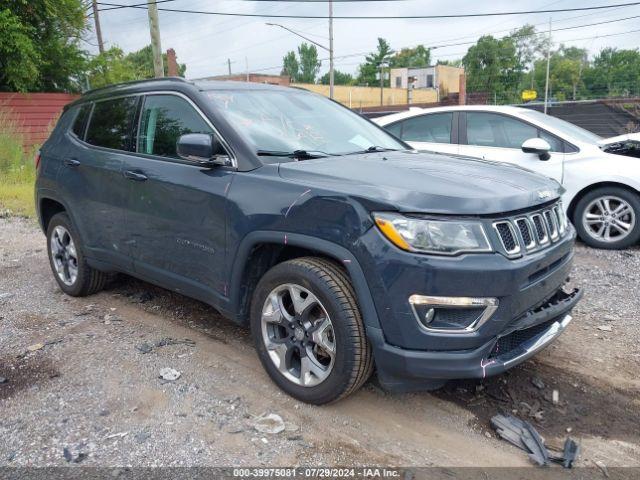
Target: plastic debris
35,346
269,423
169,374
523,435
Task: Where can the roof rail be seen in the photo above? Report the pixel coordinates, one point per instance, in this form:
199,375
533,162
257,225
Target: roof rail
135,82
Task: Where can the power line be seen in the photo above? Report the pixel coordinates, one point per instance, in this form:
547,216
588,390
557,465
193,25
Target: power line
367,17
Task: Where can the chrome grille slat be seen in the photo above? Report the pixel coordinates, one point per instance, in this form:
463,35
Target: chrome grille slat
531,231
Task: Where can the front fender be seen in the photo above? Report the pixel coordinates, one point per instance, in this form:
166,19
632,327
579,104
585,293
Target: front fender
332,250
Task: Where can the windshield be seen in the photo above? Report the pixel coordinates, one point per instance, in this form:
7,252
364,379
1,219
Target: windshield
567,128
281,121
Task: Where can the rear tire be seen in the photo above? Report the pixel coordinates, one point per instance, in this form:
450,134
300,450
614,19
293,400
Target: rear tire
290,304
608,218
68,263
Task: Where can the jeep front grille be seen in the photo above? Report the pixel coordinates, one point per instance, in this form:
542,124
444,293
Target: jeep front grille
531,231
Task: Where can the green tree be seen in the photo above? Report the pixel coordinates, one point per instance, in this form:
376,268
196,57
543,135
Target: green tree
309,63
291,67
305,67
111,66
417,57
492,67
614,73
369,70
39,45
142,61
339,78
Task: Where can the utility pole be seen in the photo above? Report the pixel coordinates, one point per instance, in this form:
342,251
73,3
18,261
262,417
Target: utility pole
331,73
381,83
96,18
229,65
546,83
154,29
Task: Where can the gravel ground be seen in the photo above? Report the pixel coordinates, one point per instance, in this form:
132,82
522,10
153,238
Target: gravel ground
82,382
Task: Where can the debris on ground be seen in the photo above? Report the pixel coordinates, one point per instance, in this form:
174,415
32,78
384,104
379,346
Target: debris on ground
555,397
73,457
605,328
3,380
523,435
537,382
144,348
602,467
269,423
148,347
35,346
169,374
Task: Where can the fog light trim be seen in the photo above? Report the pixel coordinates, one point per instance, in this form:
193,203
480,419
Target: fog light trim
490,306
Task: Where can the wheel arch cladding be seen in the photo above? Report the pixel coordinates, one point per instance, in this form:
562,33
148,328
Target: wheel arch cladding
571,210
48,208
260,251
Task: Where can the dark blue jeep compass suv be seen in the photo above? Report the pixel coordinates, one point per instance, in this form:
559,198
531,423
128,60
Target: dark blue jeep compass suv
343,249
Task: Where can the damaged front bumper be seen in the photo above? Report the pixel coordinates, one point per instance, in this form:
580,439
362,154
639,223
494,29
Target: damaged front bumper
408,370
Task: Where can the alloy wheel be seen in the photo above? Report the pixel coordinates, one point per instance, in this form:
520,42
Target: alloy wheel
64,255
609,219
298,335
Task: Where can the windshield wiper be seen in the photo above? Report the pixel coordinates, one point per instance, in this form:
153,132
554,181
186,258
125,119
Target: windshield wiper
297,154
374,148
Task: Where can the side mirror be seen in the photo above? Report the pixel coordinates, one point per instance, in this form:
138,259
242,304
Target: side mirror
538,146
202,148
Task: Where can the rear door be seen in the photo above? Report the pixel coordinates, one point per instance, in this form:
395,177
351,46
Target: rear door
176,209
91,177
434,132
499,137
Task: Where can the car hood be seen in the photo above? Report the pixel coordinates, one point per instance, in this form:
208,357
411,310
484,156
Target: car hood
426,182
633,137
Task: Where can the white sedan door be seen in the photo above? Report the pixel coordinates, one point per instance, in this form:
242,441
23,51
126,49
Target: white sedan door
499,137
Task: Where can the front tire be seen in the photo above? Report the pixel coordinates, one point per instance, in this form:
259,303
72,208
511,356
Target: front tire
68,263
308,330
608,218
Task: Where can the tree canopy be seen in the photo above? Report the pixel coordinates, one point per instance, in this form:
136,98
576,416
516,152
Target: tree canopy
40,45
305,67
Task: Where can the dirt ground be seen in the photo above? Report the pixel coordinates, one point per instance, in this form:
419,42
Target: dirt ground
79,389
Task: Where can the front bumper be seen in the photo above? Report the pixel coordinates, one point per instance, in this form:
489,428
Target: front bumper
533,311
406,370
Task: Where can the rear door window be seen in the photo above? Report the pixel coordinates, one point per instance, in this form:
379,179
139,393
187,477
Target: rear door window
495,130
164,118
110,125
432,128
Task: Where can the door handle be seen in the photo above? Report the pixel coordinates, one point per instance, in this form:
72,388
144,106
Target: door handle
71,162
135,176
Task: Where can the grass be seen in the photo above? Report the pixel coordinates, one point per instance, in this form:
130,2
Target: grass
17,171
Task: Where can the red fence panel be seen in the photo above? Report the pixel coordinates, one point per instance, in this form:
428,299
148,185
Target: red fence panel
33,114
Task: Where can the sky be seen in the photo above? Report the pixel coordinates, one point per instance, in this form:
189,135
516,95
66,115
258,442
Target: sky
205,42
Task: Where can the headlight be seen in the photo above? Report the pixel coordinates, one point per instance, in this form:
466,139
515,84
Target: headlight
444,237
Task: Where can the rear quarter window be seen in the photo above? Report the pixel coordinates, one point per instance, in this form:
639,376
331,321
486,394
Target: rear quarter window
80,122
110,123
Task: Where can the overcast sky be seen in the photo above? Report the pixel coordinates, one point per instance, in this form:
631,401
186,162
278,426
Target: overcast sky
205,42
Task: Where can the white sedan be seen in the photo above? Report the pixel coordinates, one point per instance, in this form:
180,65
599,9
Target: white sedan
601,176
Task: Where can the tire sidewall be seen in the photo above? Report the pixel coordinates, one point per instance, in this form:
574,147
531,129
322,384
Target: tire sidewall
630,197
62,219
338,380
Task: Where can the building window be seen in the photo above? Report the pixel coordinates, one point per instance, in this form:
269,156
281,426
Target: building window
429,81
398,82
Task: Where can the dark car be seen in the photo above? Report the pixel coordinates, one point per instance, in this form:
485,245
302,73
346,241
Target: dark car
344,250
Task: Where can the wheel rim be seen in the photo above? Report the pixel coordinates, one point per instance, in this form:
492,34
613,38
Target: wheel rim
298,335
609,219
64,255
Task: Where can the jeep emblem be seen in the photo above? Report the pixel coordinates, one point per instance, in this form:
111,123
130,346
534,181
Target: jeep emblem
542,194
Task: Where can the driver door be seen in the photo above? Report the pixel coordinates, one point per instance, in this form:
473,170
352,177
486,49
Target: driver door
176,211
499,137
